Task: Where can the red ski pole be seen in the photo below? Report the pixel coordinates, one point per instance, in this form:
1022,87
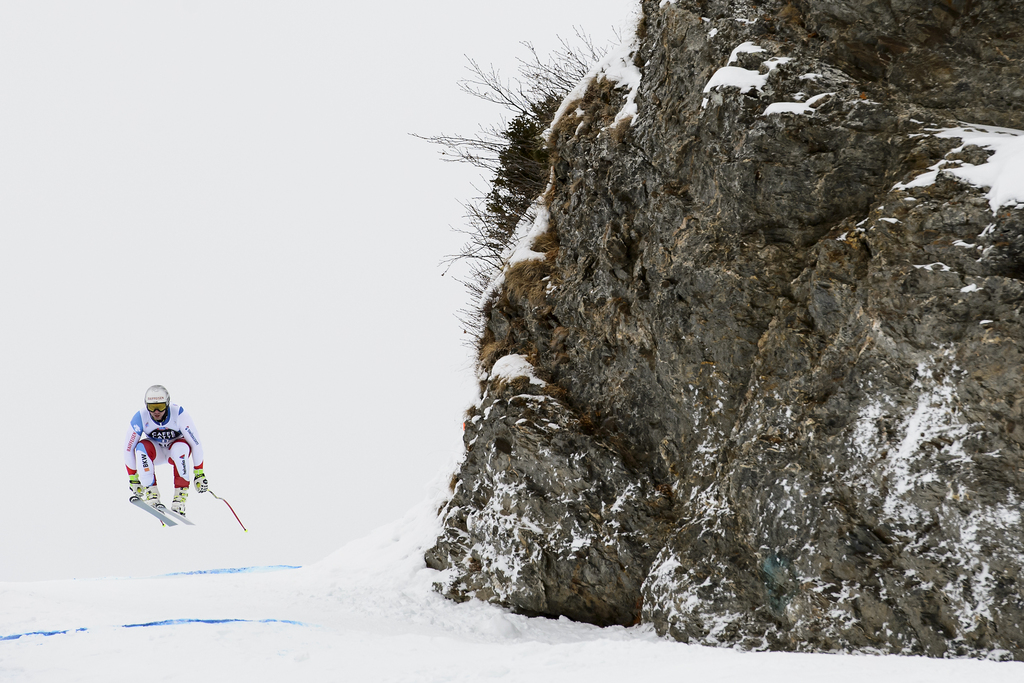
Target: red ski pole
229,508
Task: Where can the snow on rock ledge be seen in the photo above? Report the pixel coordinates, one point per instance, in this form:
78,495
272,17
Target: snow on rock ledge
513,366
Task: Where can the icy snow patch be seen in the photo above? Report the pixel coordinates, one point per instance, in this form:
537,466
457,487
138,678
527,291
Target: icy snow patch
795,107
738,77
744,48
934,416
512,366
523,249
1002,173
774,62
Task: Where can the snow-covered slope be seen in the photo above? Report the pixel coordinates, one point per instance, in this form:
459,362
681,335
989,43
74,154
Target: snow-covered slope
367,613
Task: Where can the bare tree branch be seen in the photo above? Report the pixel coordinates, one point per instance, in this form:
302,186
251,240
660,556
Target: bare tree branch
513,152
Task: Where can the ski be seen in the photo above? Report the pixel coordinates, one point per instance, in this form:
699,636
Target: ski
137,502
179,518
168,517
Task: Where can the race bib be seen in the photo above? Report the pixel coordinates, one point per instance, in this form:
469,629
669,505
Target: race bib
165,434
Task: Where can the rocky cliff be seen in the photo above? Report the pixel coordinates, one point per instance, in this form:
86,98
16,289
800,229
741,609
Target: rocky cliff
754,377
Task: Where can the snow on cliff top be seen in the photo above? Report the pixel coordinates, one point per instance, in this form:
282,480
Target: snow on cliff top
617,66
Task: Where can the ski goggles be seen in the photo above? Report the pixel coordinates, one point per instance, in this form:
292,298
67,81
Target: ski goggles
156,407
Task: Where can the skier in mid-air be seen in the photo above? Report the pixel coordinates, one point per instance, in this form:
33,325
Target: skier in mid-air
163,432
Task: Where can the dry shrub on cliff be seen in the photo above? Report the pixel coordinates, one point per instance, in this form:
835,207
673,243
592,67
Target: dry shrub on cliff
514,153
594,112
493,350
621,129
546,243
791,15
527,280
490,348
569,122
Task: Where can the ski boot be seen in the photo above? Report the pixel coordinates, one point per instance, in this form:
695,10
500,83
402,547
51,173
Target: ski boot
151,497
138,491
178,502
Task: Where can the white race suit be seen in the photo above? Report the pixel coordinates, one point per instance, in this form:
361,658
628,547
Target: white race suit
150,443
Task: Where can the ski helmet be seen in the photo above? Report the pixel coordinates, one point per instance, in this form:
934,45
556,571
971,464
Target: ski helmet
158,394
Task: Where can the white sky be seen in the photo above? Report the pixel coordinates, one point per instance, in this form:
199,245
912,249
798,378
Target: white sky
224,198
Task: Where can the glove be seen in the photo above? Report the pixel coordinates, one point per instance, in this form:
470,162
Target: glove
137,489
202,486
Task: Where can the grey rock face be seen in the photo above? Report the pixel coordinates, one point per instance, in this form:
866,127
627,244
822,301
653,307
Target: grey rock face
782,402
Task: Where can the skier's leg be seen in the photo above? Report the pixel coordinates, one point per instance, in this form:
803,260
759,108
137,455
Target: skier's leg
145,459
179,454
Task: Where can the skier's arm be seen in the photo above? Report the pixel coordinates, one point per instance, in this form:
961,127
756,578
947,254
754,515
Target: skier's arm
188,431
131,440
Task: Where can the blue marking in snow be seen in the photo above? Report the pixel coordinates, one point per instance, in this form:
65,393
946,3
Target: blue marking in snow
42,633
175,622
237,570
166,622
